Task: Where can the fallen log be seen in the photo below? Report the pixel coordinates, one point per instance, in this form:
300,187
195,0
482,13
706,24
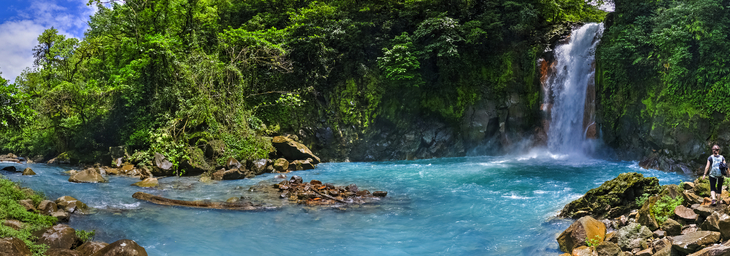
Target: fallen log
238,206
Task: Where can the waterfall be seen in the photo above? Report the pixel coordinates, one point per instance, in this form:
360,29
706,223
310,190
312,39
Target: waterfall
571,79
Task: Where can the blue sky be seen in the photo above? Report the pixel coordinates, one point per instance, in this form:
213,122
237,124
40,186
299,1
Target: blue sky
21,21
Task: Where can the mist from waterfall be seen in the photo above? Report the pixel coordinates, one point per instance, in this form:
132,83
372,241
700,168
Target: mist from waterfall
573,71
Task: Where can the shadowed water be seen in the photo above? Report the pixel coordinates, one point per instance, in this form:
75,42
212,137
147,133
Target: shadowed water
454,206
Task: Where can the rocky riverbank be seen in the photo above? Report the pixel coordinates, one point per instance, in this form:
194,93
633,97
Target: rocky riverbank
633,215
31,225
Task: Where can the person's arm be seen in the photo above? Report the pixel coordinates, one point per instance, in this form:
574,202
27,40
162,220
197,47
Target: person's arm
707,167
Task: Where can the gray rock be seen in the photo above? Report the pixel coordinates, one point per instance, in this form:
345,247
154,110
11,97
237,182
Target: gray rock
27,204
694,241
715,250
15,224
660,234
608,249
630,233
61,215
672,227
259,166
90,248
712,223
59,236
704,210
685,213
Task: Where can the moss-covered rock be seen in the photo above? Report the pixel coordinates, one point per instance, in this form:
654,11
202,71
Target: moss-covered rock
645,216
613,198
196,165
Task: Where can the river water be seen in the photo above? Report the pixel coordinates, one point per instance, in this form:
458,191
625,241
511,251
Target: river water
453,206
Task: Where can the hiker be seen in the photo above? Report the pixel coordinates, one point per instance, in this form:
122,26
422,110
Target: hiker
716,177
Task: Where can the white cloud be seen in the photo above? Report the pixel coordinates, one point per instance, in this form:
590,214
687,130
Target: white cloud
19,34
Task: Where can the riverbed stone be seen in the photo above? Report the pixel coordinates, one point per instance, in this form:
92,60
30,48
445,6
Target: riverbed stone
47,207
259,166
124,247
300,165
715,250
232,174
147,183
704,210
694,241
61,215
579,232
90,175
582,251
28,171
685,213
631,232
293,150
690,198
12,246
10,169
613,198
27,204
672,227
62,252
59,236
14,224
232,163
90,248
71,205
712,223
607,248
281,165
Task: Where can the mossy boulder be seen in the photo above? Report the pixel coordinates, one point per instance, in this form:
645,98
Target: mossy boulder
613,198
645,216
702,187
196,165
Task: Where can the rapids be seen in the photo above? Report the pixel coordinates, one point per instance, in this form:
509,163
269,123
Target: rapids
501,205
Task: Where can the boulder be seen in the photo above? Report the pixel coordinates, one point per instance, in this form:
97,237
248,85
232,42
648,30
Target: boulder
15,224
691,198
90,175
147,183
583,251
12,246
645,216
232,163
672,227
144,173
660,244
694,241
691,228
90,248
685,213
259,166
281,165
196,163
380,193
660,234
645,252
688,185
28,171
579,232
124,247
712,223
126,169
608,249
27,204
62,252
10,169
631,232
613,198
71,205
59,236
293,150
233,174
705,210
300,165
47,207
715,250
161,166
61,215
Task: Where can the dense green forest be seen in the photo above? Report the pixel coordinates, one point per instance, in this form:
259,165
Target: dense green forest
669,56
168,75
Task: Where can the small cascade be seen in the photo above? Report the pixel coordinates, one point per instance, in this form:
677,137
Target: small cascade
569,87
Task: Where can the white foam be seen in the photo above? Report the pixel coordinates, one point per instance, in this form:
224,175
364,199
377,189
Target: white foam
513,196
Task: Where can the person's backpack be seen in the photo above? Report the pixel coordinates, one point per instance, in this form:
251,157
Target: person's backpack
723,169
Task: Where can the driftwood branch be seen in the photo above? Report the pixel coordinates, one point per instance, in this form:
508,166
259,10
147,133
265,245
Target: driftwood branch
244,206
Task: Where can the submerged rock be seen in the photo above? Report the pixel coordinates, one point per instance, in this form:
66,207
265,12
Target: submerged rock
238,205
28,171
147,183
613,198
10,169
